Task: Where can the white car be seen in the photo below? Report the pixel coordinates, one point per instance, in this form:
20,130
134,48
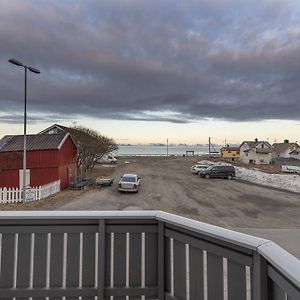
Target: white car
197,169
108,159
129,183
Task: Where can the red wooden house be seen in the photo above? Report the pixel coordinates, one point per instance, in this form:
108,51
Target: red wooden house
50,157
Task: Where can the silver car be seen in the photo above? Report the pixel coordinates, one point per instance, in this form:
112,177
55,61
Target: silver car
197,169
129,183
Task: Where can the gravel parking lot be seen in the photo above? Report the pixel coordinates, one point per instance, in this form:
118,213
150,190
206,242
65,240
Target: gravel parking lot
167,184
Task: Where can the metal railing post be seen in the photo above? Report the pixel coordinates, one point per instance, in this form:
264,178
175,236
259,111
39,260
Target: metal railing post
161,260
259,278
101,258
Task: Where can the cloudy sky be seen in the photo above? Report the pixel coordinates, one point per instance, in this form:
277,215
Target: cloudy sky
142,71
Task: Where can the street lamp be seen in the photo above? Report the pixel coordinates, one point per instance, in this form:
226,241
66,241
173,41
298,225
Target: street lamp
20,64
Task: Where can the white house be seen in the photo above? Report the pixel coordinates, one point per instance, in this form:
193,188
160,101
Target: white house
256,152
286,150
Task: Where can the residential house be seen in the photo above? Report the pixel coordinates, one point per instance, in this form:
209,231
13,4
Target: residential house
50,157
256,152
286,150
230,153
76,135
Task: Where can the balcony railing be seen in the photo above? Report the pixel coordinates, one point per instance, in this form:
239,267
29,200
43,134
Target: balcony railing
137,255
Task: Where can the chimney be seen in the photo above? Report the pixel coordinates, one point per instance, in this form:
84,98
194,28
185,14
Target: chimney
286,141
256,139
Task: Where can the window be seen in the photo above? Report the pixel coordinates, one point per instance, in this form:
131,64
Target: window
262,146
229,151
237,152
262,161
246,153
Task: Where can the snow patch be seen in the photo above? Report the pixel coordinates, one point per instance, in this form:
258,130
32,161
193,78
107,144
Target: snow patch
281,181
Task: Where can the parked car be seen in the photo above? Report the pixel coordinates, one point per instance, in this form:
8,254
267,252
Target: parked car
108,159
219,172
197,169
129,183
290,169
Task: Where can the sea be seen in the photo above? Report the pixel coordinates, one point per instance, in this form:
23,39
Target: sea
163,150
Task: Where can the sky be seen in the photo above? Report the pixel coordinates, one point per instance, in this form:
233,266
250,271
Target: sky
144,71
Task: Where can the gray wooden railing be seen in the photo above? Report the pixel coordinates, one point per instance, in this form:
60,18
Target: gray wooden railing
137,255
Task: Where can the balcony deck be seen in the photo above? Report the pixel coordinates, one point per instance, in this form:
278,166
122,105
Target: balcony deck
137,255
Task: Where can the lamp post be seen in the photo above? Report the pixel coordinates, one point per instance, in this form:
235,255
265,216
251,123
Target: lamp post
20,64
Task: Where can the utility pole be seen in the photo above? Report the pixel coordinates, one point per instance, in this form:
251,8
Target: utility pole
167,147
209,147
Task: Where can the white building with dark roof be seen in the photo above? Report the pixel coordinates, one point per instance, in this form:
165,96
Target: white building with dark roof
256,152
286,150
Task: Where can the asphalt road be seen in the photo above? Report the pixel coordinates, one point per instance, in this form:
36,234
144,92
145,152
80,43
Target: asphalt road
167,184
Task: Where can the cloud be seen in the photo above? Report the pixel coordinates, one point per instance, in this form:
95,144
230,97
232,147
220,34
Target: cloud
189,60
18,118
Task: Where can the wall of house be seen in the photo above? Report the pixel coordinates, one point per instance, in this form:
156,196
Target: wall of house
257,158
45,166
67,153
42,166
35,159
286,153
230,154
67,163
262,159
295,156
67,174
42,176
9,178
250,157
38,176
243,157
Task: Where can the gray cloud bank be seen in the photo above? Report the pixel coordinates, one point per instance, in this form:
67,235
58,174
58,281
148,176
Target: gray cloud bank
167,60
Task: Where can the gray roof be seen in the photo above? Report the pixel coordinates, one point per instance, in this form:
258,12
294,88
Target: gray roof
253,144
281,147
76,134
11,143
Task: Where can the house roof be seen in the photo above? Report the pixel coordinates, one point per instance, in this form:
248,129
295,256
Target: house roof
253,144
10,143
295,152
282,147
230,148
76,135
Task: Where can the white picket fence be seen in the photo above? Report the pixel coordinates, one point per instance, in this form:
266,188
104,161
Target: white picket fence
14,195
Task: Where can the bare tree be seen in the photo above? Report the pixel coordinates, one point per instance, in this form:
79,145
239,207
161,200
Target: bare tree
91,146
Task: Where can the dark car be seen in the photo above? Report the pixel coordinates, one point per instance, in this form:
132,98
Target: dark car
218,172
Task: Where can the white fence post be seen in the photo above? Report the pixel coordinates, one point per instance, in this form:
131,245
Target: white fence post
11,195
4,195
